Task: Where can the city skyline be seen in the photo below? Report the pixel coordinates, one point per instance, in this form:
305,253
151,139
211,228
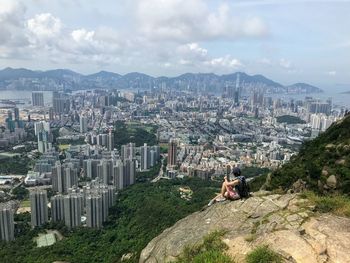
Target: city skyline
287,41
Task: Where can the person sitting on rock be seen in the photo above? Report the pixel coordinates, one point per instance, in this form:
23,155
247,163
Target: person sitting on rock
228,191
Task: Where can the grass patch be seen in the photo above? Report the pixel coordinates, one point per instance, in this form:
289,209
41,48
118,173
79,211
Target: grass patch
336,204
63,147
25,203
263,254
211,250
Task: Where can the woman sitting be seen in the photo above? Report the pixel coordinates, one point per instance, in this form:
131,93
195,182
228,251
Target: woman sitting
227,191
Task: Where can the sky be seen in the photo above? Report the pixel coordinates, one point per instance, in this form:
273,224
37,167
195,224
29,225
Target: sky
286,40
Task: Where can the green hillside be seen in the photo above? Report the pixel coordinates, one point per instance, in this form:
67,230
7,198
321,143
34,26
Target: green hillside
319,160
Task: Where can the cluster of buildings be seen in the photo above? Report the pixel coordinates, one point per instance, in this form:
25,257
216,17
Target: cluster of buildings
79,206
14,131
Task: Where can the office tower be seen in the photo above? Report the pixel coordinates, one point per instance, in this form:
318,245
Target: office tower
118,175
38,206
172,153
57,208
16,111
83,124
7,229
145,157
72,210
110,139
94,211
44,136
37,98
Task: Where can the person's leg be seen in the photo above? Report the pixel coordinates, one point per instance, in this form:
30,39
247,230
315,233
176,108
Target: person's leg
223,188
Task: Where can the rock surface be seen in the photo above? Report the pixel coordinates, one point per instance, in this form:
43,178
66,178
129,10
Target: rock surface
284,222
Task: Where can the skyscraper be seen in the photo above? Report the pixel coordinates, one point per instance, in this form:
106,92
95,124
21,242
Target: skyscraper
145,157
6,223
64,177
38,205
37,98
60,103
57,208
172,152
16,111
83,124
110,141
72,210
94,211
44,136
118,175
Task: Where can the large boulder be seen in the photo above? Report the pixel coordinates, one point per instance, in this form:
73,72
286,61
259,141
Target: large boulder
284,222
332,182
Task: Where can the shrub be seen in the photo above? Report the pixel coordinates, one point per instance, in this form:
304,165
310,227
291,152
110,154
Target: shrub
337,204
211,250
263,254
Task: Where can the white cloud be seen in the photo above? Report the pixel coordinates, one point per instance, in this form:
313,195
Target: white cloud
82,34
284,63
192,51
265,61
44,26
192,20
331,73
11,27
226,62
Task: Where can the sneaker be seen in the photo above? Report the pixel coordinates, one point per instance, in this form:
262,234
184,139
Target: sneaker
220,199
211,202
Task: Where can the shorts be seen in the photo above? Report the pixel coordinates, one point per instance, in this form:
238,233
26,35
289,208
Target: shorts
231,194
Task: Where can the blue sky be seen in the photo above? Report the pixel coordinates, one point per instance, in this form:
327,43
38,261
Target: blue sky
286,40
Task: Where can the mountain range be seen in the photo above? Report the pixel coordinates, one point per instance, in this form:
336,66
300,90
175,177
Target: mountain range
59,79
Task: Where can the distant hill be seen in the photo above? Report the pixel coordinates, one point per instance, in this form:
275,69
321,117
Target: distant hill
303,88
323,163
204,82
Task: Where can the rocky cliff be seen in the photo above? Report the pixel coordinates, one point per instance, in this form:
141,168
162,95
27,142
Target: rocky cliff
287,223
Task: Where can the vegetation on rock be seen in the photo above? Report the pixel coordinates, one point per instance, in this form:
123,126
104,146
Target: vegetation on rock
211,250
263,254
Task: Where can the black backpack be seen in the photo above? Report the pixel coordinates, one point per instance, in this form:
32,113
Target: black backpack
242,188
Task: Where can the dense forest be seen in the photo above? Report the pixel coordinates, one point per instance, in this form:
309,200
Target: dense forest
131,132
141,212
289,119
328,154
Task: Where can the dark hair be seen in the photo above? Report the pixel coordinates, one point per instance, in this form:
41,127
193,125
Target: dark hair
236,171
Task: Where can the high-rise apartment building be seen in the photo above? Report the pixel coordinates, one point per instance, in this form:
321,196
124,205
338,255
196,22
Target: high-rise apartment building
6,223
57,208
37,98
94,211
72,210
38,205
83,124
172,153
